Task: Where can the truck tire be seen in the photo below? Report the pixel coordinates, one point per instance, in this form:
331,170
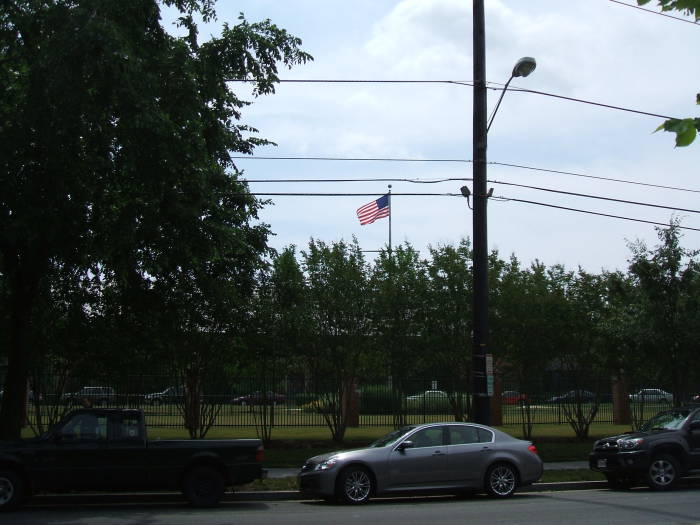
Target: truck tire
204,486
620,481
12,490
663,472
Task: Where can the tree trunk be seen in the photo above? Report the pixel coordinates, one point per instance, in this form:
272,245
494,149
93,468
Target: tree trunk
23,283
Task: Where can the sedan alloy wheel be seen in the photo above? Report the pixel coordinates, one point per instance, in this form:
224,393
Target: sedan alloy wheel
501,480
356,485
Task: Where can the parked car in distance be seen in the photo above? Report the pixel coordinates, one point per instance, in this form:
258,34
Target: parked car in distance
435,457
172,394
653,395
428,395
513,397
666,448
91,396
585,396
259,398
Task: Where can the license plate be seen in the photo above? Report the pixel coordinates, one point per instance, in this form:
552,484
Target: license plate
602,463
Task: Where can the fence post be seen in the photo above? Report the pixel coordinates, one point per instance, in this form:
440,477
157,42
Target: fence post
497,401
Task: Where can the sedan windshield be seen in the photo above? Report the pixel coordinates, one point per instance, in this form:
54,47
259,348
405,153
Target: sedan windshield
391,437
671,420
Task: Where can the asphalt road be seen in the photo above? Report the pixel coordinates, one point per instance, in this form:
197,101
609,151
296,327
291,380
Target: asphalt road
599,507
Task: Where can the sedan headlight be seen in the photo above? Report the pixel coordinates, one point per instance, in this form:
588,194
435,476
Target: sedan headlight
329,463
629,444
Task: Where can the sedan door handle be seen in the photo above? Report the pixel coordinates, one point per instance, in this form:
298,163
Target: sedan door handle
437,453
486,449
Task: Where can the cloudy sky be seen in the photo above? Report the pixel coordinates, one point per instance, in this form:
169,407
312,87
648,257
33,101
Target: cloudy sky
595,50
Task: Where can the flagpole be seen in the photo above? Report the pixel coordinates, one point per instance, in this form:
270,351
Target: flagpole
389,220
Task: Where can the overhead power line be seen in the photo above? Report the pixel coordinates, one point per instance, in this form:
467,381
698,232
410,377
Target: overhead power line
655,12
466,161
591,212
495,197
463,179
599,197
459,83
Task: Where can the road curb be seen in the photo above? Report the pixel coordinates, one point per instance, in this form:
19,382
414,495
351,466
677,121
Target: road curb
260,495
281,495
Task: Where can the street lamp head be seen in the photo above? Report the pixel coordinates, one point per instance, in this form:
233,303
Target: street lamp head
524,67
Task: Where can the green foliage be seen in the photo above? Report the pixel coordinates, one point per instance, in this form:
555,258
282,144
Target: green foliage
685,129
118,188
689,7
380,399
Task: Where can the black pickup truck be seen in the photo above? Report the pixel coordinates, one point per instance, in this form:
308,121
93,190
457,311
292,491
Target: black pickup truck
665,449
107,450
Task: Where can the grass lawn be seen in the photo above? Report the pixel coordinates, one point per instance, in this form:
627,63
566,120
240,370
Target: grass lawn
295,440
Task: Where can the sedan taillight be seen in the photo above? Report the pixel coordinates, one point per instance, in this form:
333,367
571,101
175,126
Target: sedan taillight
532,448
260,454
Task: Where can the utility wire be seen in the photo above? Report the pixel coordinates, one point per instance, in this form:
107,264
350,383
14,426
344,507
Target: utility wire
364,159
591,212
624,181
495,197
582,101
375,194
465,161
354,81
549,190
599,197
460,83
655,12
415,181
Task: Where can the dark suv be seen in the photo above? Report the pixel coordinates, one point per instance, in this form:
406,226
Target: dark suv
666,448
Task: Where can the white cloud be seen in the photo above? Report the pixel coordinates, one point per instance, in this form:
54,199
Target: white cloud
592,50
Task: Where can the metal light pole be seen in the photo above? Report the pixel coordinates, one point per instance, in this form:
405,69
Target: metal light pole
481,405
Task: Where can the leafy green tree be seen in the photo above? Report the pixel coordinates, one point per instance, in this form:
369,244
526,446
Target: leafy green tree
276,333
115,157
337,352
399,288
522,305
667,278
449,323
685,129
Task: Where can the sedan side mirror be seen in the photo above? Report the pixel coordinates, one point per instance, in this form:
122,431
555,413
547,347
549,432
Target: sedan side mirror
404,445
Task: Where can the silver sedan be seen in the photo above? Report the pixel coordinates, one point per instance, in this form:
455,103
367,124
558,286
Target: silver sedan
436,457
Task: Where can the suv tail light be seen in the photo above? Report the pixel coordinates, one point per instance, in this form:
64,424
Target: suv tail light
532,448
260,454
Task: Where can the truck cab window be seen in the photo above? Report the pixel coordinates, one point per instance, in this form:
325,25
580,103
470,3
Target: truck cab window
85,427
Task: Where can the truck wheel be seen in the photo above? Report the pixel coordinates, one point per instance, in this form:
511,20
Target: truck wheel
354,485
501,480
204,487
620,481
663,472
12,490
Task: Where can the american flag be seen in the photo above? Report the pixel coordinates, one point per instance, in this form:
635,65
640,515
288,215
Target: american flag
374,210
